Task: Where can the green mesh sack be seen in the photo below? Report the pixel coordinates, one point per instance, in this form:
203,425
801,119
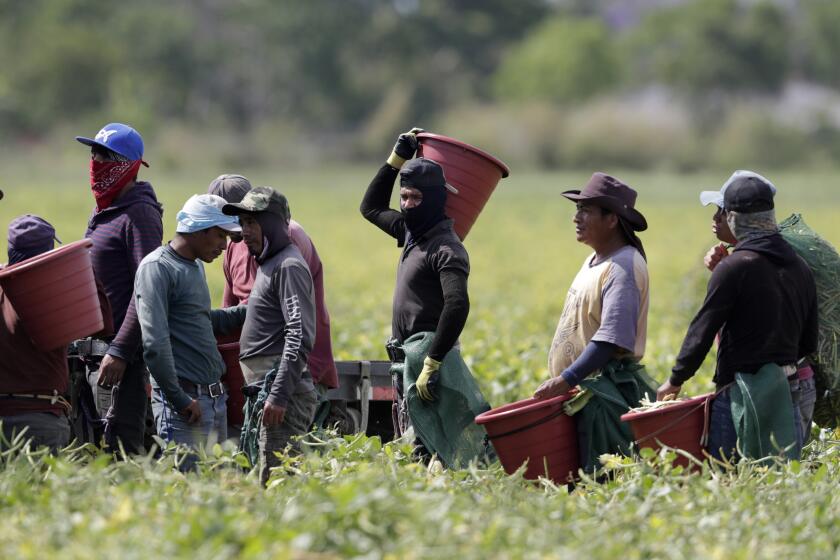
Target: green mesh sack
824,262
447,425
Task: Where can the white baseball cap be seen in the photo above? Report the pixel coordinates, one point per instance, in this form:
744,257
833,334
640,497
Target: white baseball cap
203,211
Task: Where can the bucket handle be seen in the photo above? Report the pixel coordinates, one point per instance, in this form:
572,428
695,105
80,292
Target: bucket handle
527,427
706,404
670,425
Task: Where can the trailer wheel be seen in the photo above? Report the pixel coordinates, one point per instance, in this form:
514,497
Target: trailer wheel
353,422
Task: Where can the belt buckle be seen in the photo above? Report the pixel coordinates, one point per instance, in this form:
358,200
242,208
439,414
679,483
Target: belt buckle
213,387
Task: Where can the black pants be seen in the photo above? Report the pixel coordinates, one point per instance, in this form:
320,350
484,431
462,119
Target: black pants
129,425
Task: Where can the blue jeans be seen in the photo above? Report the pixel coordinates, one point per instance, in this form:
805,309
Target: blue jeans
723,439
129,423
803,392
44,429
172,426
807,398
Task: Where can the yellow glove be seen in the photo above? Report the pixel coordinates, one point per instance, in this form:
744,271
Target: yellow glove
428,379
405,148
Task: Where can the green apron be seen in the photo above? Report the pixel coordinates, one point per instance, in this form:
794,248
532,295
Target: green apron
618,387
762,411
446,426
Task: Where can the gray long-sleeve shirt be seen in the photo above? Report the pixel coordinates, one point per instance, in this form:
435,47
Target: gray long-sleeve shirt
178,326
281,319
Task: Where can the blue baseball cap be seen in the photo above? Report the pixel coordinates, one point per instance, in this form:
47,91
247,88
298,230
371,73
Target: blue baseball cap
119,138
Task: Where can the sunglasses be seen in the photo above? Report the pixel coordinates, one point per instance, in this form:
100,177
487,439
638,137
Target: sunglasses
105,154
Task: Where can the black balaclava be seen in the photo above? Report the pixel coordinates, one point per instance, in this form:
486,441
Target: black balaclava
275,231
427,177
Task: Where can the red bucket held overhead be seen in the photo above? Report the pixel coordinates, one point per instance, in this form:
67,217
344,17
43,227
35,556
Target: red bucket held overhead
54,294
234,381
536,431
473,172
682,426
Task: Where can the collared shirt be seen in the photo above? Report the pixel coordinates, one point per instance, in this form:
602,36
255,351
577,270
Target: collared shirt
178,326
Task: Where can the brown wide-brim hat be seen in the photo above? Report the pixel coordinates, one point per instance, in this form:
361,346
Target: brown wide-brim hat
610,193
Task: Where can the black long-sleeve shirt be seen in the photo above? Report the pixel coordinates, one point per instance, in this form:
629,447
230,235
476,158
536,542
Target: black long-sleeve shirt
763,301
431,291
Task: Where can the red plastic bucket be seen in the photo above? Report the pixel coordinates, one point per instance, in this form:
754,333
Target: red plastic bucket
681,426
473,172
233,380
55,296
536,431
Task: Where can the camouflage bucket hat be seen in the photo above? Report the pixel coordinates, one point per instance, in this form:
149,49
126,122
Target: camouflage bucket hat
261,199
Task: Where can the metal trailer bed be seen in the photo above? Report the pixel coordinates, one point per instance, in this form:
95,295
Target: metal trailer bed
366,389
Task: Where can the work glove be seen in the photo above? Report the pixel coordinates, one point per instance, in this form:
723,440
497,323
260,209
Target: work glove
405,148
429,379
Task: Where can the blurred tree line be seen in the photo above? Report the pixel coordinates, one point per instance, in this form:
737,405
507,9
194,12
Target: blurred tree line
324,70
328,63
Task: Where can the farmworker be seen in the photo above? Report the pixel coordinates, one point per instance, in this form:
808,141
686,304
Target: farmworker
762,301
278,334
33,384
125,226
601,334
240,268
431,290
178,326
803,388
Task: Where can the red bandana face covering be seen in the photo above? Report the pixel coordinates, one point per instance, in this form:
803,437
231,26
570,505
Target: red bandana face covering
107,179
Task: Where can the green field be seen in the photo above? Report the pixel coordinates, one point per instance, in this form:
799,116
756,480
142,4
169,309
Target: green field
353,499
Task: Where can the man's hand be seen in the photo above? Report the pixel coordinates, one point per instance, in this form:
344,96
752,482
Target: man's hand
553,387
193,412
428,380
667,392
273,414
405,148
111,371
715,255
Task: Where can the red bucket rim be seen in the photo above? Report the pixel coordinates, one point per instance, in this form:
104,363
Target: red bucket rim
501,165
681,405
519,407
15,269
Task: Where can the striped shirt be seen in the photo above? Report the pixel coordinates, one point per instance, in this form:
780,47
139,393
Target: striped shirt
122,234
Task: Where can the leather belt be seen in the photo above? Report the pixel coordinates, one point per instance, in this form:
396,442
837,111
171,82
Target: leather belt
213,390
88,347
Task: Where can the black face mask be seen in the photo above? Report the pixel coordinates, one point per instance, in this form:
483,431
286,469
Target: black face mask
427,214
275,234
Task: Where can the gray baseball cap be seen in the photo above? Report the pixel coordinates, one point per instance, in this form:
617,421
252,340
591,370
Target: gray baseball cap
716,197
